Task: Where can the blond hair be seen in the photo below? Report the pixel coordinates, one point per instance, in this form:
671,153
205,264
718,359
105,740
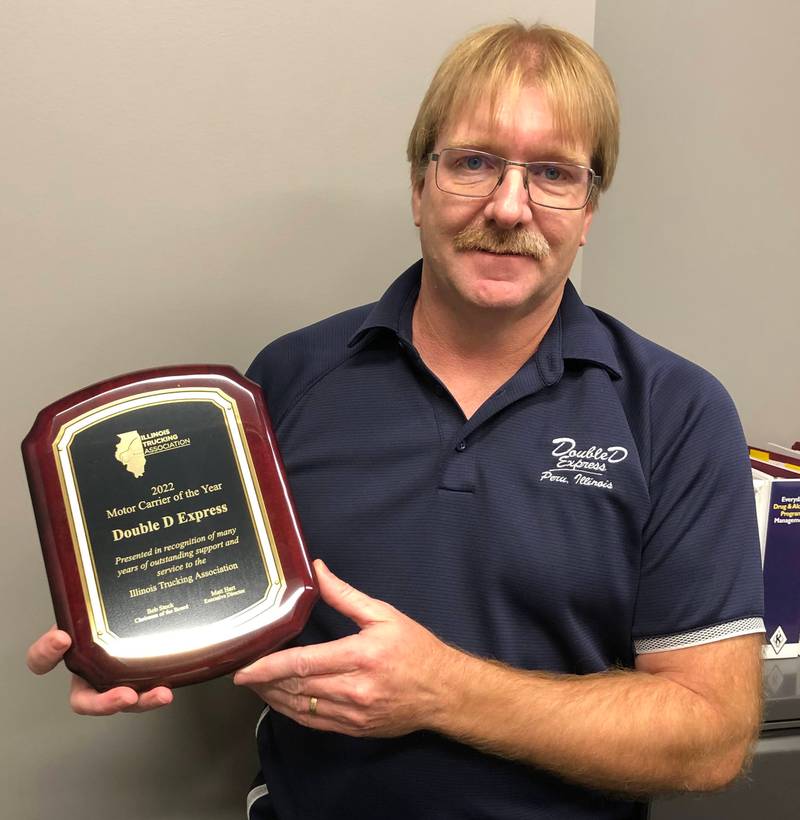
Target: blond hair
507,58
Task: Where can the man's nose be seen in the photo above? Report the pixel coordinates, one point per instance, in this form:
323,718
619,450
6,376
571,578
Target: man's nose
510,204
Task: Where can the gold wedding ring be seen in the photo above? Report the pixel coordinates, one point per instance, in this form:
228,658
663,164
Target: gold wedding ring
312,706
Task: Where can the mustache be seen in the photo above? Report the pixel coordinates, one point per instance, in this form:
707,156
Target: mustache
494,240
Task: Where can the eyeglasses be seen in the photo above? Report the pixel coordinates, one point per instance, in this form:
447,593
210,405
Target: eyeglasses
465,172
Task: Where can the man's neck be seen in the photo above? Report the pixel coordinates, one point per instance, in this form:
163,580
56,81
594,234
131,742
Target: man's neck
474,350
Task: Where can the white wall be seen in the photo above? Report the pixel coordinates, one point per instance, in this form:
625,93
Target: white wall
695,245
183,181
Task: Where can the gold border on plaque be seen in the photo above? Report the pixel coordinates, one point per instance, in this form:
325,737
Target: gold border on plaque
276,581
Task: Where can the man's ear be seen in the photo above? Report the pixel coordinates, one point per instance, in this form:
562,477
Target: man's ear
587,221
417,185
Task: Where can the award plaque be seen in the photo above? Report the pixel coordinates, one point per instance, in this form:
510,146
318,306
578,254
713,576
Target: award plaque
172,548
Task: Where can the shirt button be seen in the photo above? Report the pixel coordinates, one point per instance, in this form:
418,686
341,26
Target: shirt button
461,446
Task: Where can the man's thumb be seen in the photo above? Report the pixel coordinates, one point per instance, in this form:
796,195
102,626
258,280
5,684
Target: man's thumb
348,600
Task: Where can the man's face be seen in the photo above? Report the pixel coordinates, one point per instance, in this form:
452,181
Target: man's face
523,131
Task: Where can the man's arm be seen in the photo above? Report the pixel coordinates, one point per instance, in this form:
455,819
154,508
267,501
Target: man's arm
47,652
684,719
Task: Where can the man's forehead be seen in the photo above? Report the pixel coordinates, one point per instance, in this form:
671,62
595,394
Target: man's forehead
516,120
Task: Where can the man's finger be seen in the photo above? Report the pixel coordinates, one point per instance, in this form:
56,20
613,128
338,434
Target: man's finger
326,718
331,688
301,662
152,699
47,652
86,701
348,600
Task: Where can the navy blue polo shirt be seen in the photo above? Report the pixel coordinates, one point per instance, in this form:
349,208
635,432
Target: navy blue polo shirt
599,504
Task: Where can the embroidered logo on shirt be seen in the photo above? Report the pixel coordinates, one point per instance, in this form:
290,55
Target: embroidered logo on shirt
588,467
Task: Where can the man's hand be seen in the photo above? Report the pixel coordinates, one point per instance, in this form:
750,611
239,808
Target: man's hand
46,653
382,682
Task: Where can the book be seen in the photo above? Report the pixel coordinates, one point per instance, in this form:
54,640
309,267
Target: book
779,456
778,511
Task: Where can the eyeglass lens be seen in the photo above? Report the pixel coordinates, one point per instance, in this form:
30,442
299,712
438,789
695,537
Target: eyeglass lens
475,173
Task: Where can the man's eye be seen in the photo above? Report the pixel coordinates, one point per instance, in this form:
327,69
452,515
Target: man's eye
473,163
551,173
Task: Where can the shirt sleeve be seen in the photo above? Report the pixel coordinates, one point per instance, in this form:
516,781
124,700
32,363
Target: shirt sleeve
700,577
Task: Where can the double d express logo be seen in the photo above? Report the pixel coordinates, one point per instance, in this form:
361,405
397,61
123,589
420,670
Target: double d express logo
587,466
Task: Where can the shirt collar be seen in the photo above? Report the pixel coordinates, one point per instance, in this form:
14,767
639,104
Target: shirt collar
576,332
394,310
584,337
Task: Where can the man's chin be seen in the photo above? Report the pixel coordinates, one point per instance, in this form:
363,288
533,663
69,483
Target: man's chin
501,294
519,285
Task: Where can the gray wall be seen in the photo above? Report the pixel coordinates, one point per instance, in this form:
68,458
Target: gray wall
695,245
181,182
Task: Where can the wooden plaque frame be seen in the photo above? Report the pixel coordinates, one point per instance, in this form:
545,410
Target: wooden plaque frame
107,560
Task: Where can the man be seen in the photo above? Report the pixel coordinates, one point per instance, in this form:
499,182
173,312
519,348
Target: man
546,520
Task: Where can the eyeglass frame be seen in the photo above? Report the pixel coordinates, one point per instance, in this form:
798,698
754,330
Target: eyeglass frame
594,178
